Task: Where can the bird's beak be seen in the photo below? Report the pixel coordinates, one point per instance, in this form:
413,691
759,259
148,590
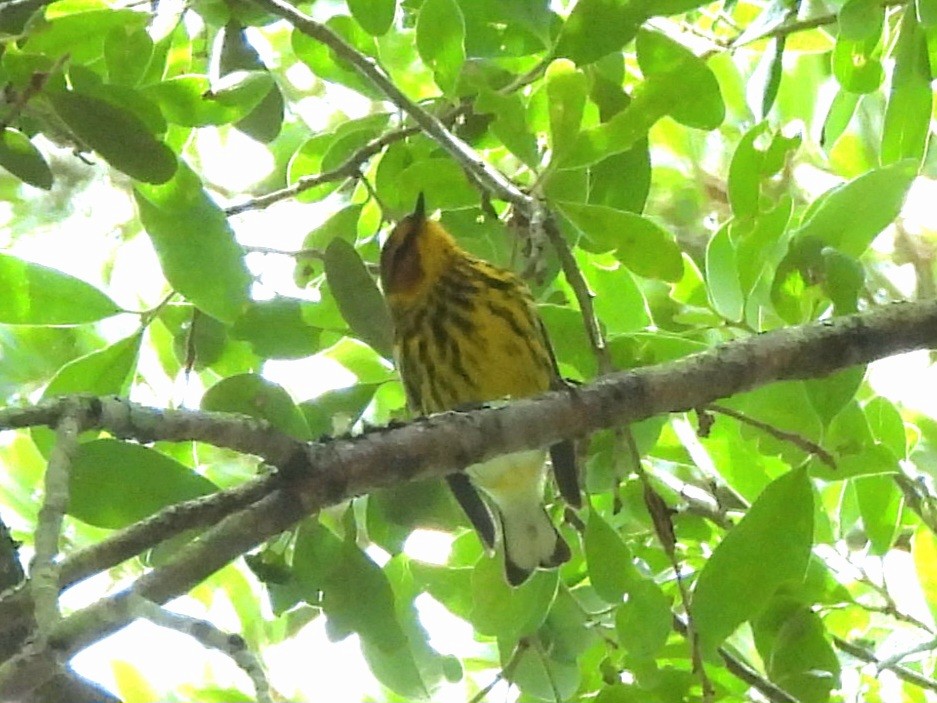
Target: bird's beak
419,212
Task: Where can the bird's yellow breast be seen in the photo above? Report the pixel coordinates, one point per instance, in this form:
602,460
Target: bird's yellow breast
473,338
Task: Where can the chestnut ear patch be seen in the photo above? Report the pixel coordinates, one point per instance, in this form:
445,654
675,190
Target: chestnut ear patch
401,268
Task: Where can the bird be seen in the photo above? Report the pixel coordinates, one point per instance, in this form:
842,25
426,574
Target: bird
467,332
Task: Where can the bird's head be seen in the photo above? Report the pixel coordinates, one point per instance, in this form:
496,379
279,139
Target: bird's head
415,254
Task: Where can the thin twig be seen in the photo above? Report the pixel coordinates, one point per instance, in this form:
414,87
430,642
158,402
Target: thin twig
584,296
663,526
741,669
298,254
803,25
902,672
799,441
484,176
349,168
210,637
36,83
891,607
505,673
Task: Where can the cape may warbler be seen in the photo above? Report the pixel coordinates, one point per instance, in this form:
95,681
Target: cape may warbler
468,332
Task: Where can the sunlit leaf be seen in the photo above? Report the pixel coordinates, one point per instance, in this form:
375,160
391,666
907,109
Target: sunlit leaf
37,295
253,395
20,157
639,243
738,579
119,136
189,230
358,297
851,215
113,483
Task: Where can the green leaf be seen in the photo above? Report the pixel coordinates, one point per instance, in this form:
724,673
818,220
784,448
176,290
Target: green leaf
510,123
908,115
361,359
855,65
886,425
334,412
127,52
792,642
451,187
567,89
619,303
181,100
358,297
639,243
277,329
327,66
880,504
851,215
837,119
544,678
242,90
722,275
20,157
745,173
861,19
107,371
760,248
598,27
440,40
678,83
188,230
695,98
113,484
771,545
356,596
37,295
625,129
79,32
622,181
119,136
611,570
505,612
644,621
264,122
374,16
393,513
870,460
343,224
253,395
927,13
830,394
763,87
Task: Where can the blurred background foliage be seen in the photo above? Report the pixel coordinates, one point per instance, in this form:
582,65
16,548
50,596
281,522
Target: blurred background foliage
193,198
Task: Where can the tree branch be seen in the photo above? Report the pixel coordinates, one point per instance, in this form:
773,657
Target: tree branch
44,572
319,474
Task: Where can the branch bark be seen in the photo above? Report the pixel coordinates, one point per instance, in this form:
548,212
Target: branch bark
315,475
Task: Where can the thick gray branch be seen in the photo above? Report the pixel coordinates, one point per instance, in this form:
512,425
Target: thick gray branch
324,473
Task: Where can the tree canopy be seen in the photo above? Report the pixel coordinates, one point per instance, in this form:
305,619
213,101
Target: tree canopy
715,204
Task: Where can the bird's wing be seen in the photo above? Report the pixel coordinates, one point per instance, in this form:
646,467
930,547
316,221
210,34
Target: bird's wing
562,454
474,507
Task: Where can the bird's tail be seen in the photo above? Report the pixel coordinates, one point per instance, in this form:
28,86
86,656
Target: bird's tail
530,540
515,484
